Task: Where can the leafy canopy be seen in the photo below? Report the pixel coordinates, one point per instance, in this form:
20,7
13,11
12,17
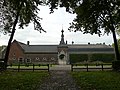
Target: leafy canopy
93,16
27,10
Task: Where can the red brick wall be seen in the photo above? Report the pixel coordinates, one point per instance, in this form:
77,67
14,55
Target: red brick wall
16,52
43,58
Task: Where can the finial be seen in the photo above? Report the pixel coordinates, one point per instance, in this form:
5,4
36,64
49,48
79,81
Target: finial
62,36
62,29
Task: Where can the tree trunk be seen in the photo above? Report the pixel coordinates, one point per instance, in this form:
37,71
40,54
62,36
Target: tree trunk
114,37
112,27
10,41
116,45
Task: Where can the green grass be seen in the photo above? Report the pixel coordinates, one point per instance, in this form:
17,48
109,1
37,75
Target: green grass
26,80
100,80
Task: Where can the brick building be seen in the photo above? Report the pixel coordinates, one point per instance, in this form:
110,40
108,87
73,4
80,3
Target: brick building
57,54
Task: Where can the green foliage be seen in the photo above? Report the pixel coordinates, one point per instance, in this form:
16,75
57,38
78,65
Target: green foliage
26,10
101,80
76,58
103,57
91,16
116,65
1,65
21,80
101,14
106,58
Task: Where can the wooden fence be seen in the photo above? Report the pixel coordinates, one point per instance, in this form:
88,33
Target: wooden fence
88,67
32,67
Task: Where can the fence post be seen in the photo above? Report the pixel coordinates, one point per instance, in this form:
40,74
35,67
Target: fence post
48,67
87,67
10,65
18,67
102,66
33,67
71,67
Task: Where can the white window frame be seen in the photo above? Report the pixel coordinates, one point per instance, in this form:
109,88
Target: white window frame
28,61
21,60
44,58
37,58
52,58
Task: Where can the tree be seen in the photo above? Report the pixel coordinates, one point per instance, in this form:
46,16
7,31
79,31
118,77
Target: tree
119,44
118,41
93,16
21,13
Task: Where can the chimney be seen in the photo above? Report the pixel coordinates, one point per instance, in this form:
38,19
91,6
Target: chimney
72,42
66,41
88,43
28,42
104,43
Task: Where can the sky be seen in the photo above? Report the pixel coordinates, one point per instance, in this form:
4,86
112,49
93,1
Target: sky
53,24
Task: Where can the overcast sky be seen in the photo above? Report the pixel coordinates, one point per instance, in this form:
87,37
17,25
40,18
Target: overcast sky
53,24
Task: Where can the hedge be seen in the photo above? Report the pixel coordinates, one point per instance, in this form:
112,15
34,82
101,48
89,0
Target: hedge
74,58
106,58
116,65
103,57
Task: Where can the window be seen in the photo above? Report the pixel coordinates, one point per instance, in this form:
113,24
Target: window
13,59
14,54
52,58
44,58
37,58
20,60
28,60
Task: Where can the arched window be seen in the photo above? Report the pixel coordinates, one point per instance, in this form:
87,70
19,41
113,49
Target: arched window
52,58
44,58
37,58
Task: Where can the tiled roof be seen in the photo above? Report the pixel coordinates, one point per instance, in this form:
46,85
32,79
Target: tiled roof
90,48
38,48
75,48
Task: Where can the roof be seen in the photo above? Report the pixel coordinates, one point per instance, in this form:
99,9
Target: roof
72,48
90,48
38,48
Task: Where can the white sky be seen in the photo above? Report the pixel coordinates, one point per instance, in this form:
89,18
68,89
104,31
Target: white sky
53,24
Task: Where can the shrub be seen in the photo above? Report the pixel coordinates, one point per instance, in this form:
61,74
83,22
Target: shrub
76,58
106,58
116,65
1,63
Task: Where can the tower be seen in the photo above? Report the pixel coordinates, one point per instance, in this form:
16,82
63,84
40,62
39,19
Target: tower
62,50
62,38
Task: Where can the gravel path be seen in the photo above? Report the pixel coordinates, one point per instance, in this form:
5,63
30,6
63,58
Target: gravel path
59,80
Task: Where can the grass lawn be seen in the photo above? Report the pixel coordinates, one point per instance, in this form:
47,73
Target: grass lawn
99,80
26,80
